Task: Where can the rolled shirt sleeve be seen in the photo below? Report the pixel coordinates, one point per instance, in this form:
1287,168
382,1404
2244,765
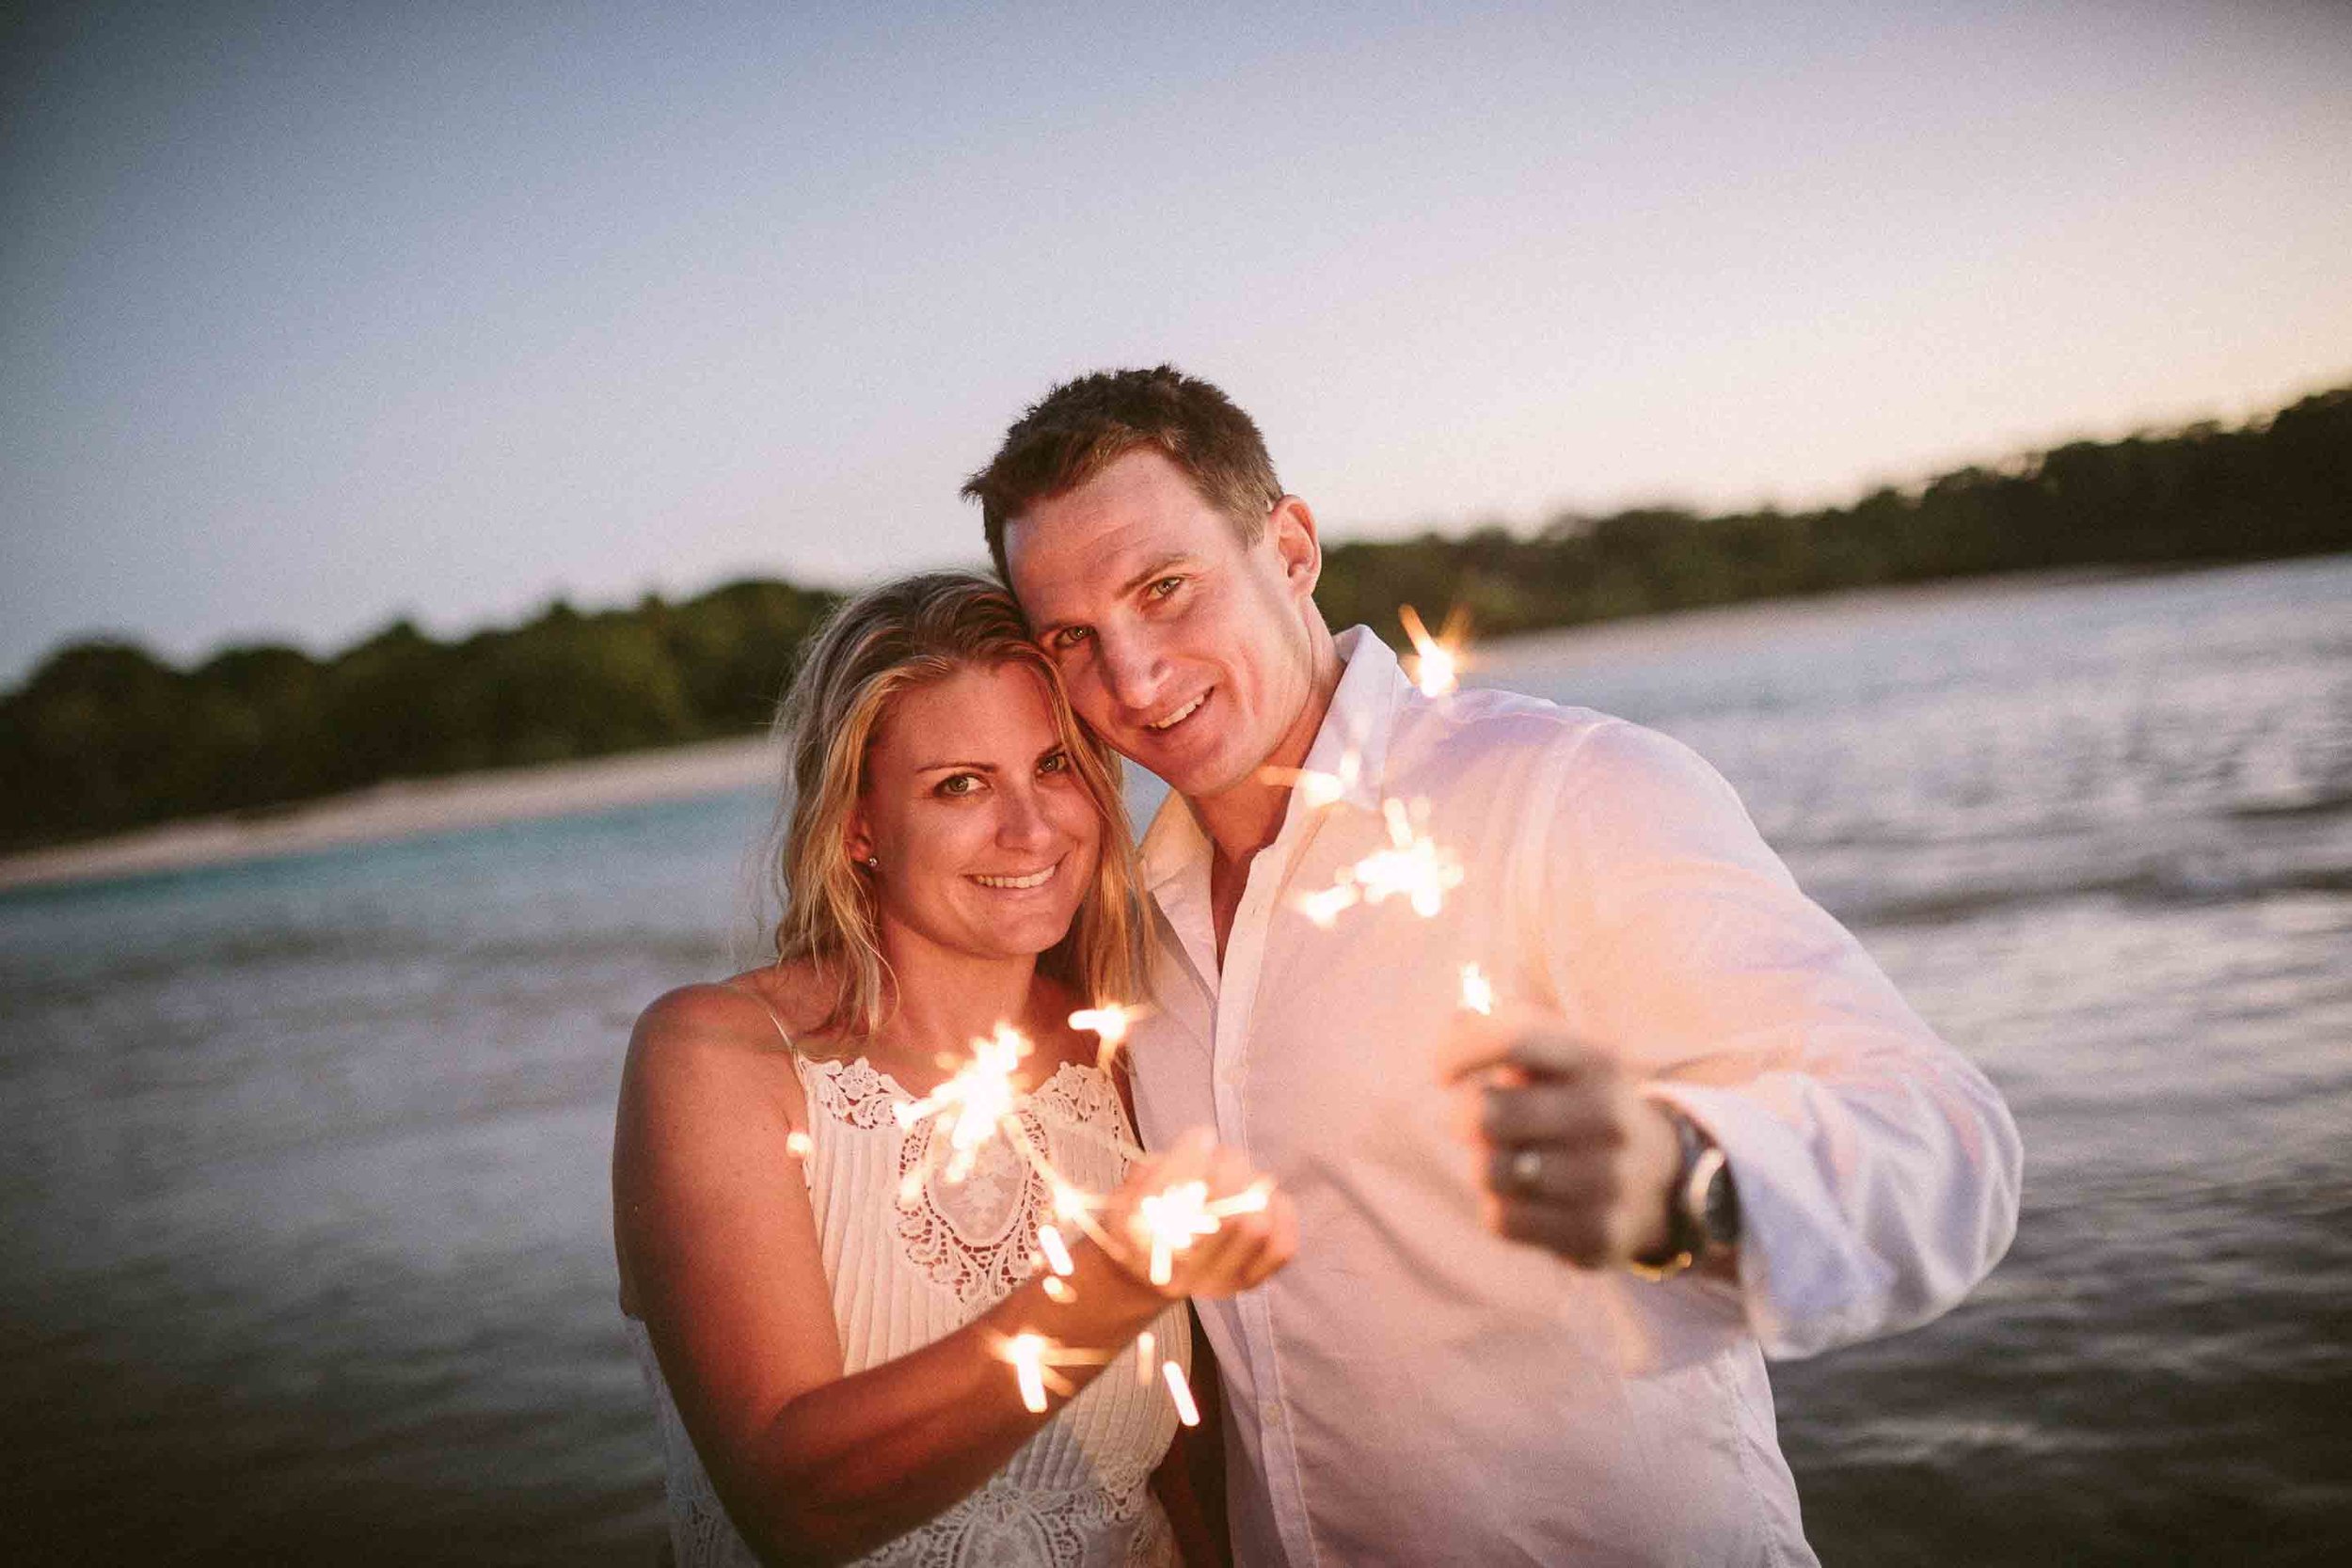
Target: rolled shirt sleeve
1878,1169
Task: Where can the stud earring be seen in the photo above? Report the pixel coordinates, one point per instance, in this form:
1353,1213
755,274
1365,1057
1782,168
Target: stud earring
873,863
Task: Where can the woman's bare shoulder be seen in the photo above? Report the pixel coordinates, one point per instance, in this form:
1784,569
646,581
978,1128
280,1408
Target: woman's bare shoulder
760,1009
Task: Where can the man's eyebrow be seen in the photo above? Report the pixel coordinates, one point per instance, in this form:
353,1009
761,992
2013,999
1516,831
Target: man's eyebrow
1159,565
1179,558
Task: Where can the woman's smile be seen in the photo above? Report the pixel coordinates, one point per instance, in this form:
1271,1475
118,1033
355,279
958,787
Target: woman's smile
1017,881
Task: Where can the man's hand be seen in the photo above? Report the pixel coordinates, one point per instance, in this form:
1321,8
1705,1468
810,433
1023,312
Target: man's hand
1576,1161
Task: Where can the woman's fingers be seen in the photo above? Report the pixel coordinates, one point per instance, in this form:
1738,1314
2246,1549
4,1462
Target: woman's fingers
1247,1244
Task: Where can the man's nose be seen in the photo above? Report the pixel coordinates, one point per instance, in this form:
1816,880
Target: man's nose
1132,669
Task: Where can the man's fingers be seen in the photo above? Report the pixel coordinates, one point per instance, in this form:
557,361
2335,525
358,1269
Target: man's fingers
1548,1111
1530,1171
1582,1235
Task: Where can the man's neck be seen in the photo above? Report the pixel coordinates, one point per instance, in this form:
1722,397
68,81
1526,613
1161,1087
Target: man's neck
1245,818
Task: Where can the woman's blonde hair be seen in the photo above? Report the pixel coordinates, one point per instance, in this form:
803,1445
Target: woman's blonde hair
908,633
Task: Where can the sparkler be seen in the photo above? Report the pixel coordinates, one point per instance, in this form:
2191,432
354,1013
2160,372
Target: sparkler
979,1102
798,1144
1110,1024
1171,1220
1037,1360
974,1105
1057,1254
1478,992
1318,789
1026,1352
1180,1392
1437,660
1412,865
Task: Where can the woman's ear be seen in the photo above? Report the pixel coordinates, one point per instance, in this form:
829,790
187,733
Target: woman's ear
857,838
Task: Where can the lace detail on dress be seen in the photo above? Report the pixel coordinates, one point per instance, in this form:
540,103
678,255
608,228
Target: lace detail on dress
977,1237
852,1092
1005,1525
972,1237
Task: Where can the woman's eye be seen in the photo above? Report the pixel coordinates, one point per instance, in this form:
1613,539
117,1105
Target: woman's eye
959,783
1057,762
1163,588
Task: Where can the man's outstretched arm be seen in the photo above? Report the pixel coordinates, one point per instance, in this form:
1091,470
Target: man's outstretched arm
1877,1170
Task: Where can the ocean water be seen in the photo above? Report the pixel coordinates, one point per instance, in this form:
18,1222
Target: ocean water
305,1252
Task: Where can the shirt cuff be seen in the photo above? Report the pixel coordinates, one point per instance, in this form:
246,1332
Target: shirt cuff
1805,1282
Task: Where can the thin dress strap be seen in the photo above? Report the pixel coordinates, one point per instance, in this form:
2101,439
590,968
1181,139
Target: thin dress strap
785,1035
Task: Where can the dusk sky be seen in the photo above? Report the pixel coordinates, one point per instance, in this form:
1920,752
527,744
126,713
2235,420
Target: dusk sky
312,317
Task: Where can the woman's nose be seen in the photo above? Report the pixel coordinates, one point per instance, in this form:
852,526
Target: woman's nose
1022,823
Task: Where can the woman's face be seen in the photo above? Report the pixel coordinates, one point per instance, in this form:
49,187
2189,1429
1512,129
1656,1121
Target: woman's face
986,835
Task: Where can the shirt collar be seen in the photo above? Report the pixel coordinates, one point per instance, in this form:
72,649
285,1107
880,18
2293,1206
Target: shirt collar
1358,724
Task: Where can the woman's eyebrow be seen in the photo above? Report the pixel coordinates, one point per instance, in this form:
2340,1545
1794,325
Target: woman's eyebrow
965,767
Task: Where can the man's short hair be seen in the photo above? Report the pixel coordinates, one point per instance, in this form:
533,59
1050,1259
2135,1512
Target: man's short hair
1082,426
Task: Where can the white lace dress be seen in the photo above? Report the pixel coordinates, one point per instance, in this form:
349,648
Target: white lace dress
1075,1494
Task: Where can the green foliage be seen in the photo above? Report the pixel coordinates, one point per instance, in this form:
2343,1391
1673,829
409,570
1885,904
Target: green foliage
103,737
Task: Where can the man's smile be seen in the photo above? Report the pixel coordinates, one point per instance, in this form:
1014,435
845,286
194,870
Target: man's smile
1163,725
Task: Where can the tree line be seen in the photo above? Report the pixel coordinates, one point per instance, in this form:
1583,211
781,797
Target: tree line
104,736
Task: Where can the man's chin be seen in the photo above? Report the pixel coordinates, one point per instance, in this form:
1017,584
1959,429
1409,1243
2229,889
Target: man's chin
1204,779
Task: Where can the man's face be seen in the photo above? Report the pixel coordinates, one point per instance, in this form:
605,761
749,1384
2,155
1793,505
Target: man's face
1185,648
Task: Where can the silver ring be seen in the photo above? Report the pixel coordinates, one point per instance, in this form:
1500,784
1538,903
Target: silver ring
1527,1168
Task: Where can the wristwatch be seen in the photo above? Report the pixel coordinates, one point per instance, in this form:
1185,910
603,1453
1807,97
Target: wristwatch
1703,1207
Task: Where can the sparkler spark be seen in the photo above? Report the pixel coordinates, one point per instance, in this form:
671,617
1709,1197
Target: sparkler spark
1056,1253
798,1144
1026,1352
1110,1024
1437,660
1179,1391
1478,992
1324,906
1318,789
1171,1220
1413,866
1146,1346
974,1105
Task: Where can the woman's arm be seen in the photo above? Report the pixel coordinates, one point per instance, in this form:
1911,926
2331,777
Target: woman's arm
815,1466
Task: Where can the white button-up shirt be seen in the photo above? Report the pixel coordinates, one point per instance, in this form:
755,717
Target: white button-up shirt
1413,1389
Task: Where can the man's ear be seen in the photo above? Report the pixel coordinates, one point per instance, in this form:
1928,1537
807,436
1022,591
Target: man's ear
1292,527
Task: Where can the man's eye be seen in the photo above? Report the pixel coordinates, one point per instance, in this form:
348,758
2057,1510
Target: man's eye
1069,637
1163,588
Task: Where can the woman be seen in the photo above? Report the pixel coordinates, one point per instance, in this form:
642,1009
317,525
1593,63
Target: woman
822,1312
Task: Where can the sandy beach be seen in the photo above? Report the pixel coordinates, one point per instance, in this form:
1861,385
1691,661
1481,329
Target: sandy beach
406,809
410,808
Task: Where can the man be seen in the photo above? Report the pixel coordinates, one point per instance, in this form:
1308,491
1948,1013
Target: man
1704,1128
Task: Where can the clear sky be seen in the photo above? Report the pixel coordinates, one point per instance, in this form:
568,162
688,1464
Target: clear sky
314,316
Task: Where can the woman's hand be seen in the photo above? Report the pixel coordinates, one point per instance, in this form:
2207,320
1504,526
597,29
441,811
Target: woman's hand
1250,1240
